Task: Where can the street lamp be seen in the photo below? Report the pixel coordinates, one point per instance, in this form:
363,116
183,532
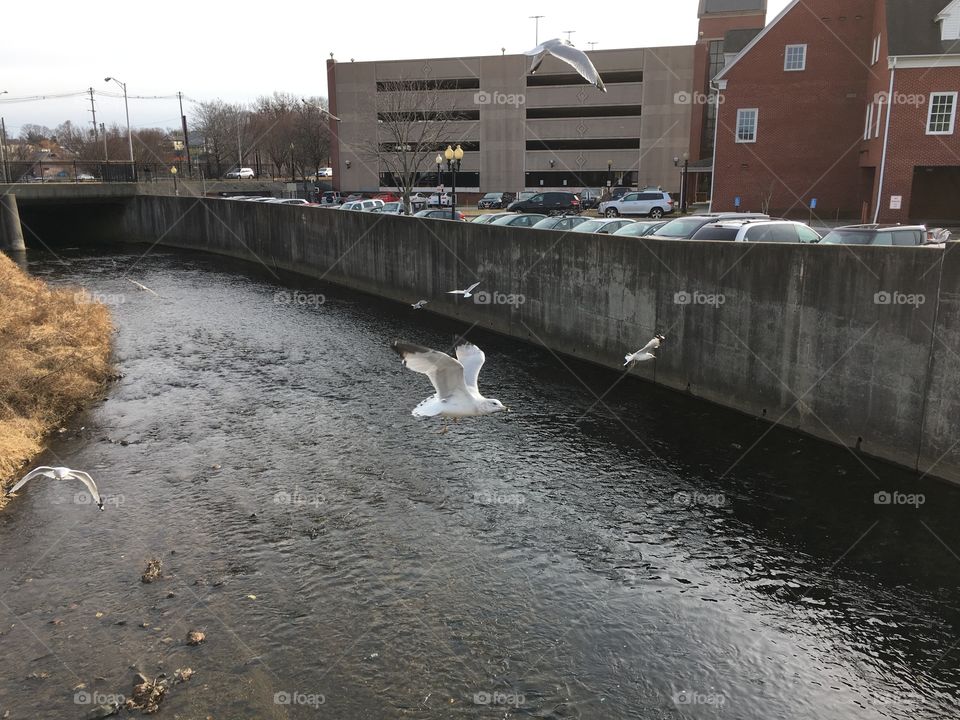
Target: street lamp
454,158
683,179
439,162
321,109
3,144
173,171
126,107
609,173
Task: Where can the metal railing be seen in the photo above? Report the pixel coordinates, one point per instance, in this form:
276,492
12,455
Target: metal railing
78,171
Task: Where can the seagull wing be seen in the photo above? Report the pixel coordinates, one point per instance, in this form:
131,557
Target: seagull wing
472,359
579,61
42,470
444,372
652,345
455,292
470,289
91,485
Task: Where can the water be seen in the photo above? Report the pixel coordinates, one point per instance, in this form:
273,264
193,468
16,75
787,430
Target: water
571,559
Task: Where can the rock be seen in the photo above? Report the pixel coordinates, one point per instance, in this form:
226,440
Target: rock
215,467
153,572
195,637
102,711
171,595
182,675
40,675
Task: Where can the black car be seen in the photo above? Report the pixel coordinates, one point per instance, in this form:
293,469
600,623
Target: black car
548,203
495,200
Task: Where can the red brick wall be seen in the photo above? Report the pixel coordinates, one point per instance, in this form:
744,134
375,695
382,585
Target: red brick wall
909,145
811,122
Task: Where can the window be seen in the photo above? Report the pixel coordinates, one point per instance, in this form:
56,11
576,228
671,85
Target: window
907,237
943,113
875,56
869,123
795,58
747,125
807,235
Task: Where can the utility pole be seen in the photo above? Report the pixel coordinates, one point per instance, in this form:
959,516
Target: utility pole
569,33
103,131
536,30
93,111
3,147
186,141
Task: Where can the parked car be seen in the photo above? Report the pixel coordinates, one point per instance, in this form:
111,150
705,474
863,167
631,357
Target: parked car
641,228
602,225
618,192
877,235
589,198
753,230
525,194
355,196
487,218
331,197
85,177
325,172
521,220
495,200
240,174
560,222
365,205
391,208
684,228
548,203
438,214
652,203
438,200
386,197
287,201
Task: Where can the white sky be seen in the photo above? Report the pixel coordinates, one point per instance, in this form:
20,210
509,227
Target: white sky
239,50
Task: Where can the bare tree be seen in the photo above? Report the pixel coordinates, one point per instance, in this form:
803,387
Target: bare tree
312,135
414,123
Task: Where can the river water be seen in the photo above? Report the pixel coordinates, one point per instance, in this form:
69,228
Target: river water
647,556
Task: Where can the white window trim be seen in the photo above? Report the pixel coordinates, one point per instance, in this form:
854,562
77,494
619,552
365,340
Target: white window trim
756,125
868,123
786,55
953,113
875,57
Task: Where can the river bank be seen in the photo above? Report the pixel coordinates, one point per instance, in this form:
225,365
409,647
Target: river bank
55,355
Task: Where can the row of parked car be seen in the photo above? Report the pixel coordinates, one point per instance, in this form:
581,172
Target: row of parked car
621,201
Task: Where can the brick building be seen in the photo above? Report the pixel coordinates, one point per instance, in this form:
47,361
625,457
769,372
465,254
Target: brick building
850,103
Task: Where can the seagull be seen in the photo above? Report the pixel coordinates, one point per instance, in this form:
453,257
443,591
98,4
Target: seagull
466,293
564,50
645,353
455,381
61,473
419,304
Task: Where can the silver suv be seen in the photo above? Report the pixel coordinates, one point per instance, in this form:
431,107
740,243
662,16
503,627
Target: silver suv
752,230
684,228
877,235
653,203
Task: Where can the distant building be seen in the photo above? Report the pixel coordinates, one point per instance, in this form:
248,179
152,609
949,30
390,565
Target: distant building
848,103
552,130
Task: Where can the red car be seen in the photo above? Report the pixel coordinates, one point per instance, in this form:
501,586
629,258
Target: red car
387,197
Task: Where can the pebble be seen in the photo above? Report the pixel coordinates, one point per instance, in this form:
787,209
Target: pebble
195,637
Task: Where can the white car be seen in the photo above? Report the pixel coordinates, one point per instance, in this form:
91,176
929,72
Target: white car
750,230
287,201
362,205
435,200
325,172
653,203
240,174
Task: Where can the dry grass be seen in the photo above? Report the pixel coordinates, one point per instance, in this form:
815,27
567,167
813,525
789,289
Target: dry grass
54,357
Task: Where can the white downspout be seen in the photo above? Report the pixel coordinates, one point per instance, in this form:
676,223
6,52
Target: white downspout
716,127
886,139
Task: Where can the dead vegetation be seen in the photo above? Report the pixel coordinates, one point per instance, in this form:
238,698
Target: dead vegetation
54,357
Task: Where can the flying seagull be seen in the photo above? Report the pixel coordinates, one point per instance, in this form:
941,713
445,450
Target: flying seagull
646,352
419,304
565,51
466,293
454,379
61,473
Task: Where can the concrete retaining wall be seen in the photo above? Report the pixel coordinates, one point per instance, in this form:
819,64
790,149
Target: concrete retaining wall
796,334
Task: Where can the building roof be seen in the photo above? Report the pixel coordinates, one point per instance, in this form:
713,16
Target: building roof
736,40
912,28
713,7
746,49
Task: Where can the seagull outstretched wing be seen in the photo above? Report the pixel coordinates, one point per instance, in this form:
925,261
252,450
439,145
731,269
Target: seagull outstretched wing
575,58
445,373
471,358
91,486
42,470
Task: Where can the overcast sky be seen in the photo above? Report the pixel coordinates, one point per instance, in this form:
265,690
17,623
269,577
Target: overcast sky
239,50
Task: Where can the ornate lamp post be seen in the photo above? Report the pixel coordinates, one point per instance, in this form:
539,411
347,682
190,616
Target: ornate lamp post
454,158
126,109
